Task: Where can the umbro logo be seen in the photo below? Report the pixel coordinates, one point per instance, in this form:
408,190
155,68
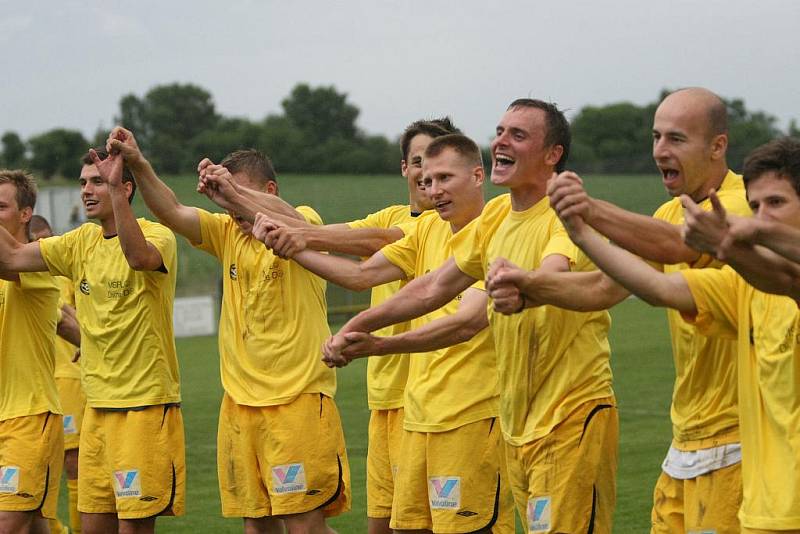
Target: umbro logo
232,272
84,286
313,492
148,498
466,513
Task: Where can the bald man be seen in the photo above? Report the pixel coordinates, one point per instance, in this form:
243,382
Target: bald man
700,485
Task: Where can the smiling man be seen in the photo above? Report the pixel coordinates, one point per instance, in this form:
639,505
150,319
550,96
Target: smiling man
557,408
765,328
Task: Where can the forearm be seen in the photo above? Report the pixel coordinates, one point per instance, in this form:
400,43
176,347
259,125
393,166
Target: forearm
131,239
346,272
160,199
577,291
16,257
438,334
345,240
780,238
69,329
248,202
766,270
649,238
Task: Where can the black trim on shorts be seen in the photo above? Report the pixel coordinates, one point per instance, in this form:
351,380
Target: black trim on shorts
172,495
496,513
594,510
594,411
46,489
338,487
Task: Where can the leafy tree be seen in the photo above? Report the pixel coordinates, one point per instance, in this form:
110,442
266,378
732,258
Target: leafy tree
321,113
58,152
13,151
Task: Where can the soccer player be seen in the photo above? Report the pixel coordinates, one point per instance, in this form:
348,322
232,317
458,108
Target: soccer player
765,326
387,375
280,445
131,452
696,489
31,436
449,467
68,383
557,408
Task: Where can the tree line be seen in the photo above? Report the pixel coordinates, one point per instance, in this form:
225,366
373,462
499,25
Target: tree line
317,132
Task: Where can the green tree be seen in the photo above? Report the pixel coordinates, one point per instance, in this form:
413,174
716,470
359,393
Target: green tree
58,152
613,138
13,151
746,131
321,113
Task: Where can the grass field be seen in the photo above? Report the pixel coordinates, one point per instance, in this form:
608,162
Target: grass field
641,359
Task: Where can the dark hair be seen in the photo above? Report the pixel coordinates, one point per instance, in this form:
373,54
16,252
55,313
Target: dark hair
463,145
37,224
127,176
433,128
25,184
781,156
253,162
558,132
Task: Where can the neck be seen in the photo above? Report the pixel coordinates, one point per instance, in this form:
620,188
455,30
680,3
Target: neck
473,212
21,234
714,181
109,226
526,195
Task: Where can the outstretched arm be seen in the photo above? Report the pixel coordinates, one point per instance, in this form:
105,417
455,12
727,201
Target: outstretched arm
649,238
16,257
160,199
289,239
439,333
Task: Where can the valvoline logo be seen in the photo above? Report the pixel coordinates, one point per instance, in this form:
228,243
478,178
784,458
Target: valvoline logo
69,425
289,478
539,511
9,479
127,483
444,493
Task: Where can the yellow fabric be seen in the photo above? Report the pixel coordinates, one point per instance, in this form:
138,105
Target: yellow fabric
73,402
31,458
708,503
386,375
128,354
704,397
449,387
273,320
453,481
566,481
383,450
65,351
132,462
767,329
282,459
57,527
550,360
74,514
27,346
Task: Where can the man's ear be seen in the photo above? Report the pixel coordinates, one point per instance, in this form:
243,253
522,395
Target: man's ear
272,187
554,155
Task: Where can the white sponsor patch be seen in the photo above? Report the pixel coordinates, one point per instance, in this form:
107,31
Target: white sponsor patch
289,478
127,483
69,425
9,479
539,510
444,493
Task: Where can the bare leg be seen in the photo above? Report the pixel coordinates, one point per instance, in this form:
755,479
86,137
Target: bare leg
263,525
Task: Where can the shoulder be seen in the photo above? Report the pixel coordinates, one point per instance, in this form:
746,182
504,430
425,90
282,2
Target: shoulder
309,214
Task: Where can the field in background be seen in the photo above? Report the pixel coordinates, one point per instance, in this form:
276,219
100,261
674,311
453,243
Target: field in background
641,358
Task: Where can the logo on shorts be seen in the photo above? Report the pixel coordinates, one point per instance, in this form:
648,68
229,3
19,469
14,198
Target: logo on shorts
290,478
706,531
9,479
84,286
445,493
69,425
127,483
232,272
539,514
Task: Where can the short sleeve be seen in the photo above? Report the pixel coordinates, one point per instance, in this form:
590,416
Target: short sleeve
715,295
164,241
403,252
311,216
213,229
61,252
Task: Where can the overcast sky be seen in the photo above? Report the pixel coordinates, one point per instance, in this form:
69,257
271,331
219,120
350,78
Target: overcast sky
67,63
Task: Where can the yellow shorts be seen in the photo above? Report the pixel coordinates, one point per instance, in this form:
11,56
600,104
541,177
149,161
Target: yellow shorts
746,530
73,402
708,503
132,462
31,457
453,481
281,460
385,437
566,481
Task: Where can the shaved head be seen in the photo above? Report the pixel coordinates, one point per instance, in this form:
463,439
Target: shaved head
701,101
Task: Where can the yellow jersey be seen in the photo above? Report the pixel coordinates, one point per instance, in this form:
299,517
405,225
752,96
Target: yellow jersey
550,360
767,333
65,351
28,311
704,397
128,356
386,375
273,320
453,386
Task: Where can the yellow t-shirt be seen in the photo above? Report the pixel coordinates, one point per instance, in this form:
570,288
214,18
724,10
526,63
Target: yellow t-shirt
65,351
128,356
386,375
767,332
273,320
457,385
550,360
28,311
704,397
